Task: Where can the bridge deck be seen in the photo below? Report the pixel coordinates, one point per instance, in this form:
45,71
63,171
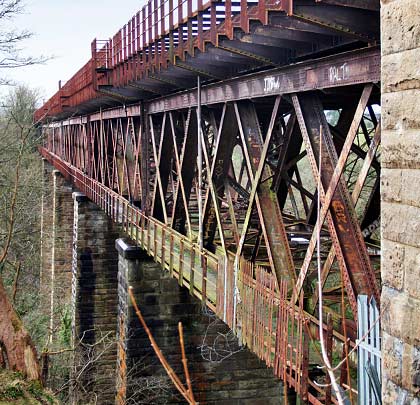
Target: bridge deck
163,48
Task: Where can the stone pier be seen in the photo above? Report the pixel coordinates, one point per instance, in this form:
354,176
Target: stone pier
239,379
400,211
95,295
113,360
56,256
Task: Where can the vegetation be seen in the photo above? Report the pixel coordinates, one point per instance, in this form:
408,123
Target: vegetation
19,190
14,389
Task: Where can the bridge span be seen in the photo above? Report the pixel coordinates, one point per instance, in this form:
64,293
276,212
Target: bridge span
207,132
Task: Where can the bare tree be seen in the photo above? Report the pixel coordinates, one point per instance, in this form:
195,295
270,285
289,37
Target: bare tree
11,39
78,383
16,136
16,139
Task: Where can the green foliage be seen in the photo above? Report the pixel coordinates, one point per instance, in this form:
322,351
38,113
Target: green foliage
65,328
13,392
15,389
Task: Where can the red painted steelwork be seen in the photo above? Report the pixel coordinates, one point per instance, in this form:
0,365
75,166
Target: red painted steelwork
150,41
277,331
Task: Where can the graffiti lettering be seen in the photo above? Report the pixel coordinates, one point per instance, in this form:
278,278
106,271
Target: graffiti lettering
339,73
271,83
371,228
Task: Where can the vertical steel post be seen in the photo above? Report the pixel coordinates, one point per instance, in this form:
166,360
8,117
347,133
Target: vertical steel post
199,166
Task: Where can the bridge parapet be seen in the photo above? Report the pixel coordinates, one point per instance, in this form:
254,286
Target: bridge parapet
166,44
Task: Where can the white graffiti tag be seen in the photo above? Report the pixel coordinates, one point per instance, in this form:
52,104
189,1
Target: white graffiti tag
271,83
339,73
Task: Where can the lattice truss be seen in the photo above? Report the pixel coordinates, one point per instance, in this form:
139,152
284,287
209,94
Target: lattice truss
259,177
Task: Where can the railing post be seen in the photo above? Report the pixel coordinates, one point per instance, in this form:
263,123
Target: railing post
200,25
94,64
213,23
133,35
328,346
305,363
129,50
138,31
262,11
171,254
150,34
244,16
162,17
155,22
228,19
181,262
190,40
163,247
203,260
124,34
180,50
143,31
192,265
171,32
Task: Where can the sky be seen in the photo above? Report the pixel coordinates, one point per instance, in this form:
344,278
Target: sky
64,30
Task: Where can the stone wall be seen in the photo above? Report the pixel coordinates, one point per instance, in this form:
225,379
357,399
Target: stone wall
239,379
400,194
46,233
56,256
94,290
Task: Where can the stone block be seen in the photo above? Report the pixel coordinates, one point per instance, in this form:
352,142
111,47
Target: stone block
400,110
392,266
392,350
399,223
400,25
410,187
411,368
391,184
400,312
401,71
412,271
399,185
401,151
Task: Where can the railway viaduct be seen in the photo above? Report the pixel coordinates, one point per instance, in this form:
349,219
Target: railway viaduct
249,168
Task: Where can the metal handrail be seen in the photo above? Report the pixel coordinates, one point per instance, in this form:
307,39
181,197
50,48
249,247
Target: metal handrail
153,37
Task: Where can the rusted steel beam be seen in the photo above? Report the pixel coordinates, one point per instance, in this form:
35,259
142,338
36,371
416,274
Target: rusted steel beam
355,67
355,196
232,214
328,196
187,168
290,148
226,139
347,21
342,221
161,152
144,135
255,150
